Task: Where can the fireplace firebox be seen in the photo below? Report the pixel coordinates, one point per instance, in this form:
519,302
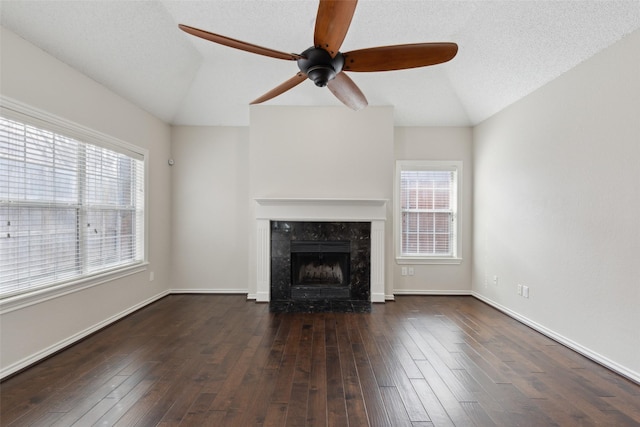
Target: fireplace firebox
320,269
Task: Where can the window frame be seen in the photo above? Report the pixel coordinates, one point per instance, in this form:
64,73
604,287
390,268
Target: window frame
428,165
14,110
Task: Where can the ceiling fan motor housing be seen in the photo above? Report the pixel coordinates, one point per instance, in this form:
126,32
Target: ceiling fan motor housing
319,66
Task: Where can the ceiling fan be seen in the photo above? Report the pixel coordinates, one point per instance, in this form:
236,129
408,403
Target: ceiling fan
326,65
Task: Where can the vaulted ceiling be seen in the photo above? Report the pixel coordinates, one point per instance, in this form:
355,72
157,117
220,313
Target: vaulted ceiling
507,49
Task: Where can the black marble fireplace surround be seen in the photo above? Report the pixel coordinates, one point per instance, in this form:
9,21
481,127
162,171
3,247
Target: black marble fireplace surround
352,294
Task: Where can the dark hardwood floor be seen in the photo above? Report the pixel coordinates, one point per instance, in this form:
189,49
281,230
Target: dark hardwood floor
219,360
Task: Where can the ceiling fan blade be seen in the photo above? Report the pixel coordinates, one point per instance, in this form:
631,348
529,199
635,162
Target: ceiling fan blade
347,92
282,88
399,57
332,24
237,44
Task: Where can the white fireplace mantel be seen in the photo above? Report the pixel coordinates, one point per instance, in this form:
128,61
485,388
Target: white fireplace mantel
339,210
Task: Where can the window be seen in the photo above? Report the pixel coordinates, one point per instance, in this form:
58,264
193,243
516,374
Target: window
69,209
427,218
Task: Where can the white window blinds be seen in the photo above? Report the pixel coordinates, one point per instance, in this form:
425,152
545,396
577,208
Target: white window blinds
68,209
427,207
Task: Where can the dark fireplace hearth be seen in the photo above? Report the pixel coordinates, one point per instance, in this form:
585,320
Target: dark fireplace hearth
320,266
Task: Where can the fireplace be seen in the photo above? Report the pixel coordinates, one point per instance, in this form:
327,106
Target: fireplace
320,266
320,270
280,221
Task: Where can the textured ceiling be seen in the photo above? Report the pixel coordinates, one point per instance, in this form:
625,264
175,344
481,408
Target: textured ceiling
507,49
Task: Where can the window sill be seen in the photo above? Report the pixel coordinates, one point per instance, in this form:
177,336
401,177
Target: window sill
40,295
422,260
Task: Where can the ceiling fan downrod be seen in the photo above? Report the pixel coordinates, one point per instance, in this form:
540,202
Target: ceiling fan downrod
319,66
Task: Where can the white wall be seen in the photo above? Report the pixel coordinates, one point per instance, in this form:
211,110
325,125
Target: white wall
306,152
439,143
31,76
210,209
557,207
287,152
321,152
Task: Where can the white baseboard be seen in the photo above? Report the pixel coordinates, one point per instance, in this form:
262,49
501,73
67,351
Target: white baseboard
36,357
207,291
263,296
431,292
377,297
588,353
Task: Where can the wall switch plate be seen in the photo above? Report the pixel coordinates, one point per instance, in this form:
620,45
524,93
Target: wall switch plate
519,289
411,272
495,280
525,291
151,276
404,271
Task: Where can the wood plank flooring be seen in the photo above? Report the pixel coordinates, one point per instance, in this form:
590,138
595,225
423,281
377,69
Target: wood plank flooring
219,360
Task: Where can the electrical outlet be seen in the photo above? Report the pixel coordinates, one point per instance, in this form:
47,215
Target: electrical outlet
525,291
411,272
404,271
519,289
151,276
495,280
